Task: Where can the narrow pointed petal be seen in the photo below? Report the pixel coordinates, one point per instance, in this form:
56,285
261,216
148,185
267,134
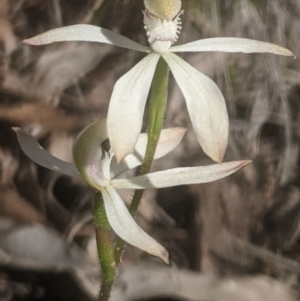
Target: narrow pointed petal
232,45
206,106
125,226
87,153
37,154
88,33
181,176
127,104
168,140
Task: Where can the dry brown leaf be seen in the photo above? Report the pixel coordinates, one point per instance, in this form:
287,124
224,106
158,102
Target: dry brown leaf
47,116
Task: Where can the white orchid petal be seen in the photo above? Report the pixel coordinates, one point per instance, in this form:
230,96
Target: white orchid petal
39,155
181,176
127,104
88,33
168,140
88,155
232,45
206,106
125,226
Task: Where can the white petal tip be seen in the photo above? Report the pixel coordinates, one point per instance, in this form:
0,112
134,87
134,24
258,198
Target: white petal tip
216,151
282,51
32,41
165,256
120,154
292,54
289,53
218,159
216,156
15,129
121,151
241,164
245,163
181,131
176,134
160,252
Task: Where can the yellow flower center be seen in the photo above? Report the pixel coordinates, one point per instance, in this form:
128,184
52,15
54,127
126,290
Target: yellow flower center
163,9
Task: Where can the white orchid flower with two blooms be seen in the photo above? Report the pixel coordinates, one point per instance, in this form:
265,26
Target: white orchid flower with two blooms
205,102
95,163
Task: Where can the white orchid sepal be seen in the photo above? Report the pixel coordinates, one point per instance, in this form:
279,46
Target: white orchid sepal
230,44
40,156
169,140
95,165
85,33
181,176
127,105
125,226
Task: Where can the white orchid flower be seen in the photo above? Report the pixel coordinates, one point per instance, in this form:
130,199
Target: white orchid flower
205,102
95,164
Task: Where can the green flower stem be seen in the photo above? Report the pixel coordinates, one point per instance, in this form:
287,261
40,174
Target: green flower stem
157,109
108,256
105,248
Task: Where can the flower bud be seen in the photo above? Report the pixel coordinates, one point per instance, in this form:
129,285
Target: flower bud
163,9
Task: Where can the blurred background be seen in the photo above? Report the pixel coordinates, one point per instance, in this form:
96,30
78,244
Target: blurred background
232,240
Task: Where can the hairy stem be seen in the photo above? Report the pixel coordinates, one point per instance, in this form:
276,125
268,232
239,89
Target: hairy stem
157,109
105,248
